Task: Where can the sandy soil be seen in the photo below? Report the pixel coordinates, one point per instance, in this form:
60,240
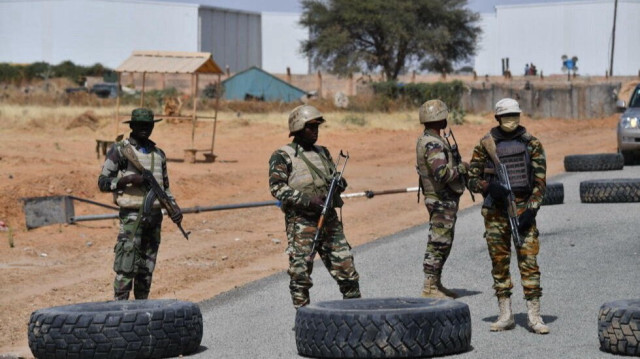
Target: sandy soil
63,264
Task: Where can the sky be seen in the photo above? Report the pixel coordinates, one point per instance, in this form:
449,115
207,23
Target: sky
482,6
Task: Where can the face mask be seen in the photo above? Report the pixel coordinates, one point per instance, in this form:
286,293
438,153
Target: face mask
509,123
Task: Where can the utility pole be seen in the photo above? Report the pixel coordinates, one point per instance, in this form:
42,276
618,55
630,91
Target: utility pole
613,36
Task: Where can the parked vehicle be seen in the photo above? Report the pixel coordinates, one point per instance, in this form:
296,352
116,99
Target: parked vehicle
105,90
629,128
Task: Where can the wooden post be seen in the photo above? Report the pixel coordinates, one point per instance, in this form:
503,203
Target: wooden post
288,75
319,84
215,118
228,71
144,78
194,93
118,105
413,76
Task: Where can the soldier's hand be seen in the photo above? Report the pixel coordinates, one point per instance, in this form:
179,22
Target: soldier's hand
317,202
463,168
177,217
342,185
497,190
525,220
133,179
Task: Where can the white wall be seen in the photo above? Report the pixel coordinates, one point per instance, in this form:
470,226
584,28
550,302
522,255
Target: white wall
542,33
91,31
281,36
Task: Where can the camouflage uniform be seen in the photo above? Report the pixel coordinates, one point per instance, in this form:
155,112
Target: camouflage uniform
137,243
497,230
442,186
301,223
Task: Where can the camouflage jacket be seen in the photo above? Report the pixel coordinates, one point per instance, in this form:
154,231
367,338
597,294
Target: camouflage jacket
116,163
435,164
279,170
538,167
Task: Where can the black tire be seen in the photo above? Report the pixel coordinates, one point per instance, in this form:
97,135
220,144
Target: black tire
594,162
610,190
116,329
554,194
383,328
619,327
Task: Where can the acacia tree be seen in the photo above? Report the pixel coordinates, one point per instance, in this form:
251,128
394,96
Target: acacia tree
349,36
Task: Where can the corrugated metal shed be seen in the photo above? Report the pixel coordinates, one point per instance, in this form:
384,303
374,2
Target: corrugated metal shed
170,62
259,84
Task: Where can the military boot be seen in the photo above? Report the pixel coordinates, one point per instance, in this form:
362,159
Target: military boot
505,319
447,292
534,320
431,289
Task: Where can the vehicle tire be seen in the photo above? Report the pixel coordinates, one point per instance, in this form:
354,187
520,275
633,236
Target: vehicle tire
619,327
554,194
116,329
594,162
630,158
610,190
383,328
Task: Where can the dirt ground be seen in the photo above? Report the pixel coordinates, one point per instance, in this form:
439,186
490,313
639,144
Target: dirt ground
63,264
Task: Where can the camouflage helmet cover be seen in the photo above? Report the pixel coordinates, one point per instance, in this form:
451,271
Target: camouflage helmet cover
141,115
432,111
507,106
301,115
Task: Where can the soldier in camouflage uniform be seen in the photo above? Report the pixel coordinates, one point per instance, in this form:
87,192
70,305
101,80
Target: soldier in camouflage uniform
442,185
137,244
299,177
524,158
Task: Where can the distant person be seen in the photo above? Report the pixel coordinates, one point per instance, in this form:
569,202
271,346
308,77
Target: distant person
299,177
526,70
533,70
442,185
525,161
138,240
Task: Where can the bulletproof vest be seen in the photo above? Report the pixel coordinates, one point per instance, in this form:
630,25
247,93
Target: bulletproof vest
514,155
133,196
429,184
306,179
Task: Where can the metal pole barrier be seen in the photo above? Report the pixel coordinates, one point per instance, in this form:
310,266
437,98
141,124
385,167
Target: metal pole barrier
371,194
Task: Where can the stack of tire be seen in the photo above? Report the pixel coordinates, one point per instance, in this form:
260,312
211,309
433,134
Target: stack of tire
613,190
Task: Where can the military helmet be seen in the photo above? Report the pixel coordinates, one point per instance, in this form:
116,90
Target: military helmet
301,115
141,115
507,106
433,111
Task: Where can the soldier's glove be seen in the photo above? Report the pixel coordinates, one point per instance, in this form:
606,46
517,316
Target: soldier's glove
317,203
177,217
525,220
133,179
342,185
497,190
463,168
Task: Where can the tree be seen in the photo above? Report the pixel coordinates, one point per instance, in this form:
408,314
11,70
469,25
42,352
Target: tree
349,36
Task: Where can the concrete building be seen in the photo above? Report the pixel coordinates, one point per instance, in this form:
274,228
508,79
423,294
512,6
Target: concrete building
542,33
107,31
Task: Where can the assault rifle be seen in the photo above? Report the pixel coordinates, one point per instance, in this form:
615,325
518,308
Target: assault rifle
154,190
328,203
503,177
457,159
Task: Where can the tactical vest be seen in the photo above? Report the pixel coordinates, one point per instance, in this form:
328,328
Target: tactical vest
133,196
429,184
306,179
514,155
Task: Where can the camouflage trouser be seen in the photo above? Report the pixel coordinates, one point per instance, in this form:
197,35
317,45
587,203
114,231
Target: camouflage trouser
135,255
498,236
333,249
443,211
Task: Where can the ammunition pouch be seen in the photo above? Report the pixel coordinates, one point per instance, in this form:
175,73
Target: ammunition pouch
126,257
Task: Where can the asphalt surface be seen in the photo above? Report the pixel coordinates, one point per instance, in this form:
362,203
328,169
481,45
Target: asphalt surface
590,254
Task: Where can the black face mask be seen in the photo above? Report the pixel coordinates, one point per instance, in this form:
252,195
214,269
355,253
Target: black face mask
308,136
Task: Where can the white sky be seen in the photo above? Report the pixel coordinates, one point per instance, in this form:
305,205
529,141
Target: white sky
294,5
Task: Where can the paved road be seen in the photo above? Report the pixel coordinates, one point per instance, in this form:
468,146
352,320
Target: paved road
590,254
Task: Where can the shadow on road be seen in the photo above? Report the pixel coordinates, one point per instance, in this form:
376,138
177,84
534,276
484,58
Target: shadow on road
465,293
